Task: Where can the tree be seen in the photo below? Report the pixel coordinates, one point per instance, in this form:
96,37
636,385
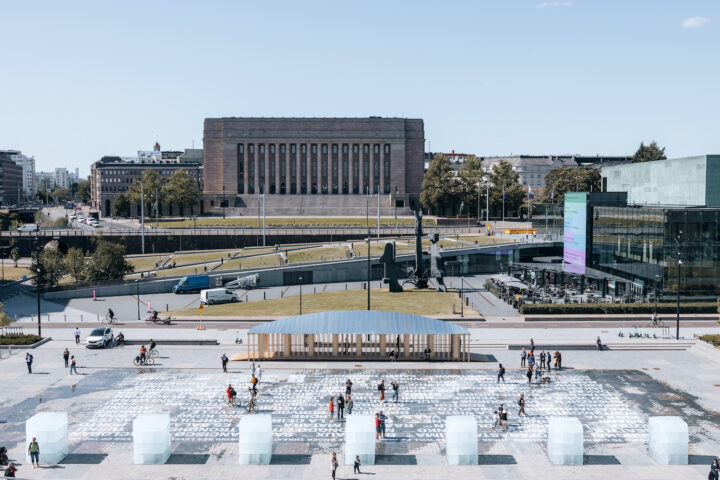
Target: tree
39,217
559,181
152,183
14,252
181,189
503,177
649,153
438,186
83,190
75,264
469,176
121,205
60,194
5,319
51,264
107,263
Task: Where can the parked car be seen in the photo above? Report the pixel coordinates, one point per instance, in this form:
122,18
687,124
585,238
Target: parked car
192,283
217,295
28,227
99,337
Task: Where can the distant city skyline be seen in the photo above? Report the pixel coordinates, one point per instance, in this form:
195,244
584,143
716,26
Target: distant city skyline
86,79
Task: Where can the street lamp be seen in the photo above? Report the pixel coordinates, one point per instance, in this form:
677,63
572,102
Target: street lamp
223,201
462,297
39,286
137,291
657,276
368,271
300,279
478,203
678,239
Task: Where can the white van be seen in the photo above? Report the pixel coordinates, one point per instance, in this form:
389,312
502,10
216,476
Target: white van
28,227
217,295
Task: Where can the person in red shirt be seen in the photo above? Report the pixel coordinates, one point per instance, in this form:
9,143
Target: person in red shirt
230,394
332,407
377,426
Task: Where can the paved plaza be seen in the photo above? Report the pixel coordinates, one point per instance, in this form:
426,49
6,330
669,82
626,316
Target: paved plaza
613,393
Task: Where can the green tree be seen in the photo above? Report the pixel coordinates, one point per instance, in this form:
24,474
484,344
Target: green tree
61,222
108,262
438,186
503,177
14,252
181,190
649,153
121,205
51,264
39,217
469,176
75,264
60,194
152,183
5,319
559,181
83,190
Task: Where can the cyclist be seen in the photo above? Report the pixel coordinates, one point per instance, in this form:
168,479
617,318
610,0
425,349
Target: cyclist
152,345
252,405
119,339
111,314
143,352
230,394
154,316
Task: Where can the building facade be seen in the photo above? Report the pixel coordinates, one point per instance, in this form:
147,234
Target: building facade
112,175
11,182
324,157
28,166
692,181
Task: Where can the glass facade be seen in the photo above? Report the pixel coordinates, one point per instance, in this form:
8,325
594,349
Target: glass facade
638,243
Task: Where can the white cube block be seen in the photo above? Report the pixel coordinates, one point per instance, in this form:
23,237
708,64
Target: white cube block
360,439
461,440
151,438
565,441
50,429
255,442
668,443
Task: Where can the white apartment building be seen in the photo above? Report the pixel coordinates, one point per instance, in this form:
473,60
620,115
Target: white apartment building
45,181
62,178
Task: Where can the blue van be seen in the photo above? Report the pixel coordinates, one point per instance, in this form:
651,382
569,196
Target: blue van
192,283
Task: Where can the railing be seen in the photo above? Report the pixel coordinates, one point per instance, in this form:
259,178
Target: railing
11,331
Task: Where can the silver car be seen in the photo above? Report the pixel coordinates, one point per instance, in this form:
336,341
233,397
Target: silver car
99,338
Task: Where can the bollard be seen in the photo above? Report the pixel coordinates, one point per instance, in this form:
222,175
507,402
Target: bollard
98,318
167,308
9,350
148,306
264,296
48,318
314,291
65,318
94,298
81,318
346,286
281,294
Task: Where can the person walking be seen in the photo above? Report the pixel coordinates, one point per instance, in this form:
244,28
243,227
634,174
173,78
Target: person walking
333,464
523,356
356,464
382,419
598,344
529,374
501,373
349,403
536,370
532,346
496,419
252,369
348,387
73,366
521,404
34,451
381,389
542,359
331,407
555,359
377,426
504,417
559,361
77,335
396,393
341,406
258,374
66,356
224,360
28,361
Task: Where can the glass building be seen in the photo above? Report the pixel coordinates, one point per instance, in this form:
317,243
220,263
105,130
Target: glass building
639,244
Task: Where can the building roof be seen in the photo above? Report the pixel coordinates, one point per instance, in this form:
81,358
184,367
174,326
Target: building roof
360,322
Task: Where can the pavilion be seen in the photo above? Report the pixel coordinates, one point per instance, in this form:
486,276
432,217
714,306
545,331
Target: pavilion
358,335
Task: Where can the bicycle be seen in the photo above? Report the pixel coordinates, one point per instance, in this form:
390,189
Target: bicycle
152,353
656,322
107,320
234,401
139,363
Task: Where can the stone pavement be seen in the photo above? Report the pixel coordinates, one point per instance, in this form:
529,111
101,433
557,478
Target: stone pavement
612,392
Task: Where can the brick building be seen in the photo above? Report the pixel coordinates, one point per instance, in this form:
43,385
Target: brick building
332,163
112,175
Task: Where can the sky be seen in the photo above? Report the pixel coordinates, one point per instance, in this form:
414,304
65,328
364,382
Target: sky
83,79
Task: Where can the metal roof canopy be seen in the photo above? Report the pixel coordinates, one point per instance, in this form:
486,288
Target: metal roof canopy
359,322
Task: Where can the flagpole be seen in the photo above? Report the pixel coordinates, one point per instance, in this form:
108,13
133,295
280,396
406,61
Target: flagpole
503,216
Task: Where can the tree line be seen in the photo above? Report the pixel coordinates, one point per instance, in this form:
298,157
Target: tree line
180,190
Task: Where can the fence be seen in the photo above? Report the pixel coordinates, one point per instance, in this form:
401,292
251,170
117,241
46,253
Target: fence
11,331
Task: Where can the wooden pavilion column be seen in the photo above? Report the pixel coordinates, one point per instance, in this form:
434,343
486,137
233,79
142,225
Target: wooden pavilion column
383,348
358,345
406,346
287,345
455,340
261,346
431,344
311,345
335,344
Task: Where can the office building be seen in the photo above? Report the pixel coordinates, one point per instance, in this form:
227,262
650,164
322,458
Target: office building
333,163
28,168
11,182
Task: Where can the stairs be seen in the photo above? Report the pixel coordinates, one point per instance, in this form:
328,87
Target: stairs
313,206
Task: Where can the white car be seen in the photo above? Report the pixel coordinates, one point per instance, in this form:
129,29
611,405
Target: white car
217,295
81,219
99,337
28,227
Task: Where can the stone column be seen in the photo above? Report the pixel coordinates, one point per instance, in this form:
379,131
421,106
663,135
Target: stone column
287,344
335,344
382,346
276,157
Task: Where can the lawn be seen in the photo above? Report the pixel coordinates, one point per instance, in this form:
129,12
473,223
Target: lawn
318,254
15,273
271,260
143,263
193,258
295,221
421,302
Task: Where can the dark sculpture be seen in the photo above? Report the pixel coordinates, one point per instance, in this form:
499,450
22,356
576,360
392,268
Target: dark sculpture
392,269
416,276
437,269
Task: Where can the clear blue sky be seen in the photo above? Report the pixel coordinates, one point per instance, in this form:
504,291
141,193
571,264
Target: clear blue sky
82,79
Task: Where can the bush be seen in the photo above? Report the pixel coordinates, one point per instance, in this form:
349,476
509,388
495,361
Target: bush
714,339
615,308
19,339
61,222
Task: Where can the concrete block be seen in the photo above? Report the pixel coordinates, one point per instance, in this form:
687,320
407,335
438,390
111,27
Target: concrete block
461,440
255,440
668,443
360,439
51,431
565,441
151,438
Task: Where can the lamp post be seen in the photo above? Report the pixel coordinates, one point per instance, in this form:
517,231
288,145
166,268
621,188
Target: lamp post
368,271
678,239
137,292
223,201
478,203
462,297
39,286
656,291
300,279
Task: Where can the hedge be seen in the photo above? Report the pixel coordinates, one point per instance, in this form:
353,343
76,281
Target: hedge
714,339
615,308
19,339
